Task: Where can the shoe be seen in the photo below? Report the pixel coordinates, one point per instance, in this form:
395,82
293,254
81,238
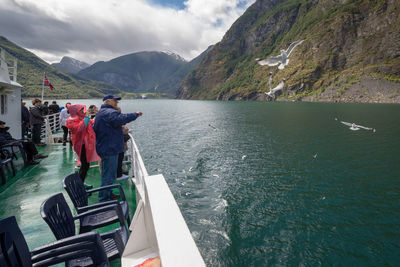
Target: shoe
40,156
114,196
123,177
33,162
125,172
88,186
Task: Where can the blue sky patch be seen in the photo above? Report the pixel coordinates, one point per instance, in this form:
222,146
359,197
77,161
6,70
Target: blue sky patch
176,4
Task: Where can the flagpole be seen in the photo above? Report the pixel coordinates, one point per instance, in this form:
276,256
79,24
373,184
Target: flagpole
43,86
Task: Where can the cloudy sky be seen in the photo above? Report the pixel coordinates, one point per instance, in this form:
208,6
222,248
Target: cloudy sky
93,30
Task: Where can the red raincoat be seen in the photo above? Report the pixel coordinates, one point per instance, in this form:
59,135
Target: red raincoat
81,134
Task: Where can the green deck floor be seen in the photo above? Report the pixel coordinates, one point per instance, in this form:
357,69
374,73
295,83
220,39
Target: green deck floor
23,194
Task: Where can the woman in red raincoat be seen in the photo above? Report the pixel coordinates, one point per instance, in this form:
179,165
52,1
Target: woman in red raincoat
83,138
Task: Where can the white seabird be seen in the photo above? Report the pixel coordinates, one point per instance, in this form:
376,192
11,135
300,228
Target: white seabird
279,87
355,127
281,59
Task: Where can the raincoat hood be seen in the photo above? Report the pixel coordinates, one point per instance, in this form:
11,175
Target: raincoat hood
74,111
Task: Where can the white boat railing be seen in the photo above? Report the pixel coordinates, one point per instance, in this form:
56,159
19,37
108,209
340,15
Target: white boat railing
8,75
158,227
51,125
11,71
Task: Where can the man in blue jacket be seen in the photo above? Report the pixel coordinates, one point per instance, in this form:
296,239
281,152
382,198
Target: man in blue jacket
110,140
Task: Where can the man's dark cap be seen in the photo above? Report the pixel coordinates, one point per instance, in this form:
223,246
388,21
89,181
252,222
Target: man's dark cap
2,123
111,97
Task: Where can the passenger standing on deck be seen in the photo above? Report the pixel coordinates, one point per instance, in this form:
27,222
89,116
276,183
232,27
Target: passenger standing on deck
45,108
36,120
110,141
24,119
54,107
83,138
64,115
92,111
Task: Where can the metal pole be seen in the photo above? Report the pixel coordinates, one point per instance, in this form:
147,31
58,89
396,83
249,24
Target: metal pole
43,86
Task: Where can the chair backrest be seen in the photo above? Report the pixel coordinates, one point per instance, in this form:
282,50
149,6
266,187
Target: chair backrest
56,213
13,248
76,190
5,155
73,251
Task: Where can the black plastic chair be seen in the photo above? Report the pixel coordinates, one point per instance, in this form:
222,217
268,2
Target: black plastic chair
81,250
16,144
5,159
57,214
76,190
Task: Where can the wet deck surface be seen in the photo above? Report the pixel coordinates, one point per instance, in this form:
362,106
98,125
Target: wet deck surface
23,194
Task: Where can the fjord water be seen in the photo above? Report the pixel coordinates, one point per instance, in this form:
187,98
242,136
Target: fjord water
279,183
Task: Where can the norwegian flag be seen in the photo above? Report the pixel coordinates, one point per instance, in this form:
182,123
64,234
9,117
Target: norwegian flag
46,82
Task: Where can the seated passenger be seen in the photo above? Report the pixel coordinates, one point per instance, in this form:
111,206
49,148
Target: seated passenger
29,147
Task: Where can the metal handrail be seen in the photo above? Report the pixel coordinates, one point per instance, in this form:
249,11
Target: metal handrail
51,125
137,167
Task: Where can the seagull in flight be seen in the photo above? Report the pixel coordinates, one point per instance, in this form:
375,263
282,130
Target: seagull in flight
212,126
279,87
355,127
281,59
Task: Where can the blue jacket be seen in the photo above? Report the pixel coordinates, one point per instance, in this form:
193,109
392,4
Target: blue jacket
108,128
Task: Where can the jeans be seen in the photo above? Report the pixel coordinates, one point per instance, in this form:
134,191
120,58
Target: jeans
120,160
36,129
30,150
109,170
65,136
84,164
24,130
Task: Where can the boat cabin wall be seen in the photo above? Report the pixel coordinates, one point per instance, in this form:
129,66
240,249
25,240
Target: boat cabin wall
10,111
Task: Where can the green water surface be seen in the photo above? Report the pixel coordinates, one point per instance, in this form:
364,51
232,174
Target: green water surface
265,184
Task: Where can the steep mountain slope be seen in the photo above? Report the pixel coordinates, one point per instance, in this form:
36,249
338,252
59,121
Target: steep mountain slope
137,72
351,52
170,85
30,76
70,65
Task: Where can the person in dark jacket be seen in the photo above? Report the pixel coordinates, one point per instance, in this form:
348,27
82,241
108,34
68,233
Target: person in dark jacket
45,108
54,107
110,141
29,147
36,121
24,119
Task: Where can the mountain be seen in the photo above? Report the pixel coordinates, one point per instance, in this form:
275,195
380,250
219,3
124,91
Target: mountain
154,72
350,52
170,85
30,75
70,65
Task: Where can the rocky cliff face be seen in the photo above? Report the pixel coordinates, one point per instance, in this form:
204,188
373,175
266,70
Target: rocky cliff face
348,45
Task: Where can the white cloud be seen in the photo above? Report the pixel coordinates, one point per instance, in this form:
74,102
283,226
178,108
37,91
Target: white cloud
93,30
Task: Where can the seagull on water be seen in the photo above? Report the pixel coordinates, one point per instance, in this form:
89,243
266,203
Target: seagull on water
281,59
355,127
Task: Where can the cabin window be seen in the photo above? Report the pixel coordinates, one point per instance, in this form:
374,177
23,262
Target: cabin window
3,103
